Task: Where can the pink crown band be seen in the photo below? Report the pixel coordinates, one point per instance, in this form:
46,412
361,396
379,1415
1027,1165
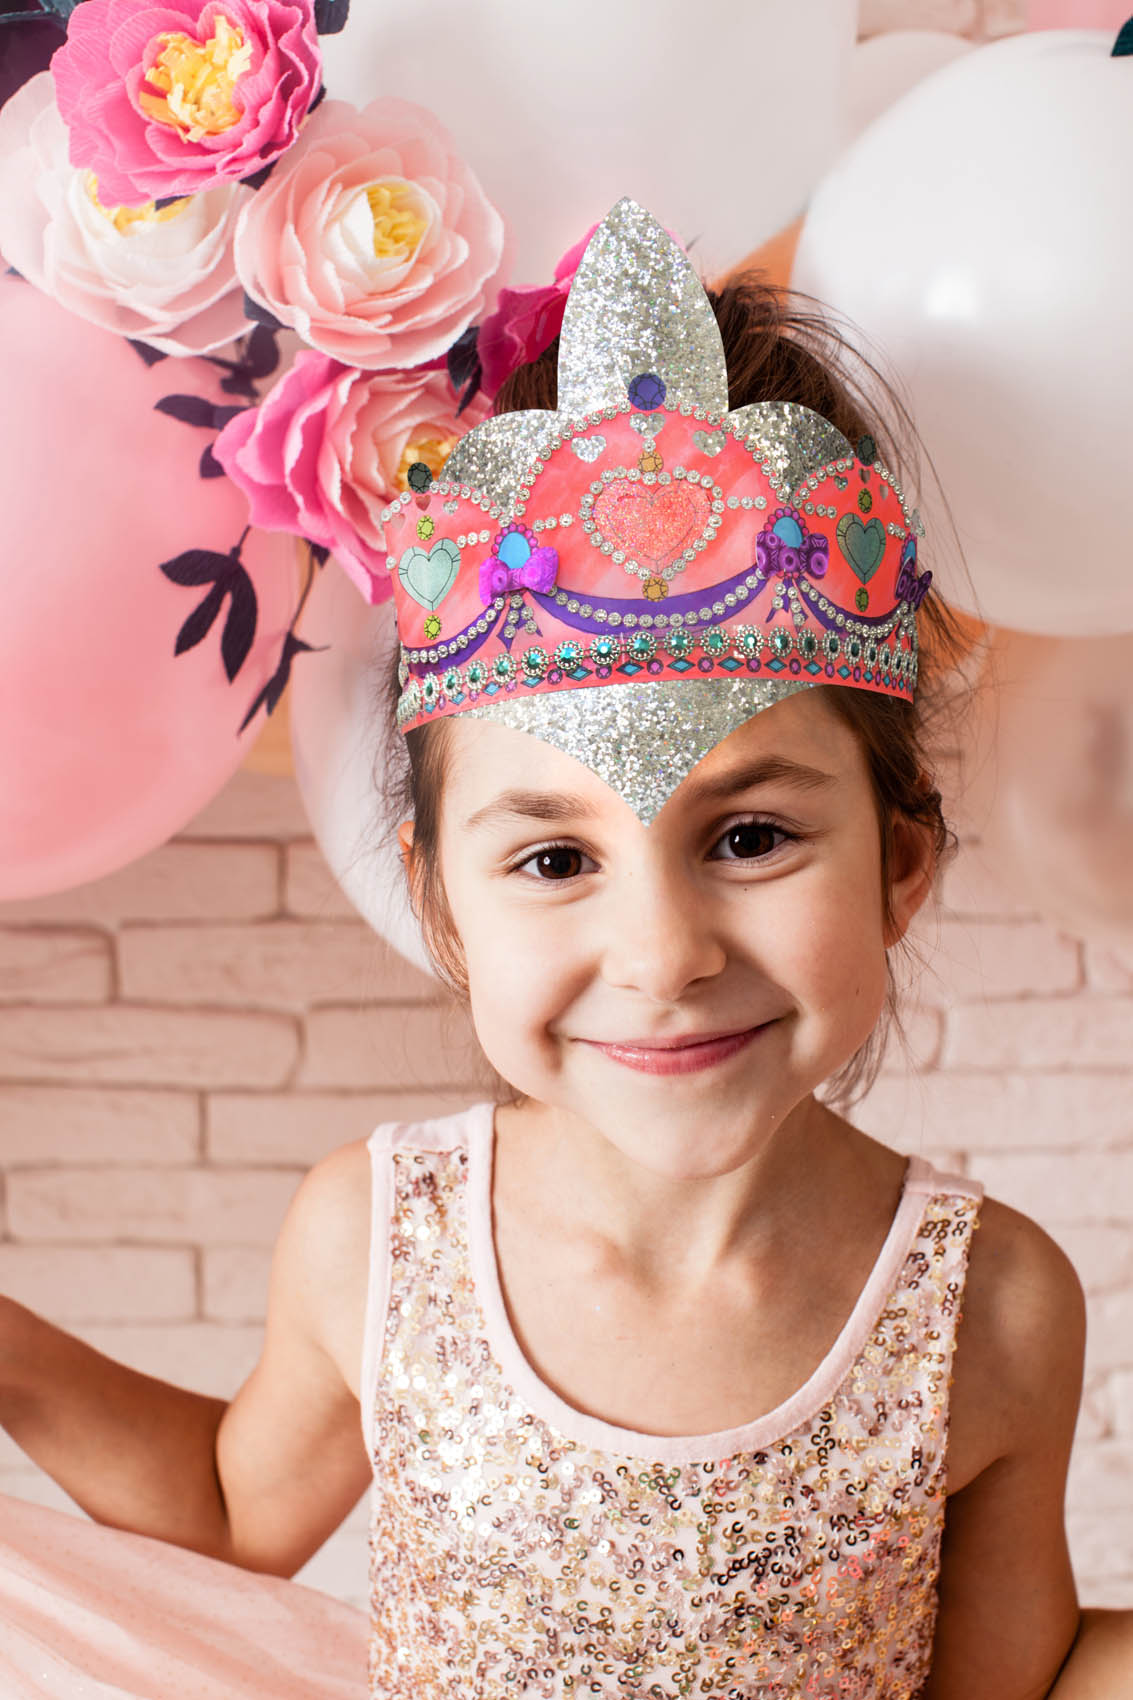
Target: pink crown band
647,545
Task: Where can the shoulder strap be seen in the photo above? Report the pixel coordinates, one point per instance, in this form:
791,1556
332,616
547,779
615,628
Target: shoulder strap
443,1133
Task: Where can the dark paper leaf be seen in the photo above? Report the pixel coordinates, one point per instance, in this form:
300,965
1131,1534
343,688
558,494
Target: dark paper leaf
240,626
1123,46
189,409
199,623
151,356
198,566
463,358
319,552
277,684
331,15
257,179
464,368
320,96
261,355
164,201
237,382
210,467
261,315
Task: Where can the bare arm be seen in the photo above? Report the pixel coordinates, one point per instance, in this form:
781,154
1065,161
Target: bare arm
1100,1664
1008,1604
260,1482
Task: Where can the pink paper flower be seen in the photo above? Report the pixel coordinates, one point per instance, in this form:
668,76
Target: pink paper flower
170,99
162,277
329,447
372,239
525,322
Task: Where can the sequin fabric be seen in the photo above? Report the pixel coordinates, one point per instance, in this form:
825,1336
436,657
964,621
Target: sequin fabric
507,1559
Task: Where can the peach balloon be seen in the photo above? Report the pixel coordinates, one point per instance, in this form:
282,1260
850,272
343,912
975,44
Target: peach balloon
1076,14
1052,792
109,742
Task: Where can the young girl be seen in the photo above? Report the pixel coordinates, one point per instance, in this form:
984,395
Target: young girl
657,1369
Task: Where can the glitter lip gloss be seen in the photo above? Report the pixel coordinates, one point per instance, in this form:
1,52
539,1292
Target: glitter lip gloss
680,1059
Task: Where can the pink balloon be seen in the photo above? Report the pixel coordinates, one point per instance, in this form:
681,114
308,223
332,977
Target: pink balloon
1052,796
1077,14
108,741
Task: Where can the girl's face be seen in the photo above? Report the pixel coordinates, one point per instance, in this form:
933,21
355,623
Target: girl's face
752,905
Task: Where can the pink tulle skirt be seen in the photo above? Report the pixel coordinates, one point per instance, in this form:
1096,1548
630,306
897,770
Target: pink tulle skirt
88,1613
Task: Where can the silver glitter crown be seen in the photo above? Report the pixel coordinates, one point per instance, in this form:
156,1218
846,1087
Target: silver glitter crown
636,306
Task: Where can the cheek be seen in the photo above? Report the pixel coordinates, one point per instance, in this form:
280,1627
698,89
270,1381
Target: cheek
518,980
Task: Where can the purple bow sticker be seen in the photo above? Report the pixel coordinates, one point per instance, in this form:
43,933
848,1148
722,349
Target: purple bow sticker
786,547
517,564
910,588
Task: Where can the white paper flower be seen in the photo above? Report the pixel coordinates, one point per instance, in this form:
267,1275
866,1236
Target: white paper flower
164,276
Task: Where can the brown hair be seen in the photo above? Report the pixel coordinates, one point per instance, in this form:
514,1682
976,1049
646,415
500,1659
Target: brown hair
778,347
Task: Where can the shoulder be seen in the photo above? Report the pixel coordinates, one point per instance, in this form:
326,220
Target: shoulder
1021,1341
320,1266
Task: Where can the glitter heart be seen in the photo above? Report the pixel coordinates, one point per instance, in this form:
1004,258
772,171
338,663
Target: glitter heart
588,448
646,424
862,545
652,525
428,577
708,442
450,507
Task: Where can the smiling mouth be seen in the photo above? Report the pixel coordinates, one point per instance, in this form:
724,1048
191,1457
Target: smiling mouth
684,1055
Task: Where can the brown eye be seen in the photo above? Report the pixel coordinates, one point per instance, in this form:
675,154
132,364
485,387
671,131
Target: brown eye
557,863
748,840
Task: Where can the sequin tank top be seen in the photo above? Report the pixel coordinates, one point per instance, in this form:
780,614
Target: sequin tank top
519,1547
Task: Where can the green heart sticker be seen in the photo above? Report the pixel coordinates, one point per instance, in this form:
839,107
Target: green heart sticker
429,575
862,545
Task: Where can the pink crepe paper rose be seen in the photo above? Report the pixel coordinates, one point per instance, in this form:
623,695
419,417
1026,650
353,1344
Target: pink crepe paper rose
526,322
373,239
161,277
329,447
171,99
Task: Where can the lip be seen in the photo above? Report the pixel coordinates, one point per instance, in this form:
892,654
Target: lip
684,1055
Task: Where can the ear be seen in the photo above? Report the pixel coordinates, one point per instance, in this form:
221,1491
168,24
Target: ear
405,841
912,871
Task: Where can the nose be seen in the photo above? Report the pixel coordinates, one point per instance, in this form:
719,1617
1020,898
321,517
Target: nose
658,933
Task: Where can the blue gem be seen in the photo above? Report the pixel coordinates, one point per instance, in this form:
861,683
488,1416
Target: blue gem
680,666
629,667
647,391
514,551
812,667
491,689
775,666
731,663
843,672
789,530
579,673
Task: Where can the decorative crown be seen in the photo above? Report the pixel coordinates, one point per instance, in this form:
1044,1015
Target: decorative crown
632,576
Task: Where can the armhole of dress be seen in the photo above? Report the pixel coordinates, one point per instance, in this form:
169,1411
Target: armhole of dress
379,1146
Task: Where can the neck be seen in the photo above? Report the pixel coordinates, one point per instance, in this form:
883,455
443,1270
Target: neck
664,1226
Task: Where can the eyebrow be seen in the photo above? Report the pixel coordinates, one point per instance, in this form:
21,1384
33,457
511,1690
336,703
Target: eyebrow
558,806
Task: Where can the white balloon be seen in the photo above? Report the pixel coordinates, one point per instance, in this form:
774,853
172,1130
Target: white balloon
977,233
718,117
343,740
887,66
